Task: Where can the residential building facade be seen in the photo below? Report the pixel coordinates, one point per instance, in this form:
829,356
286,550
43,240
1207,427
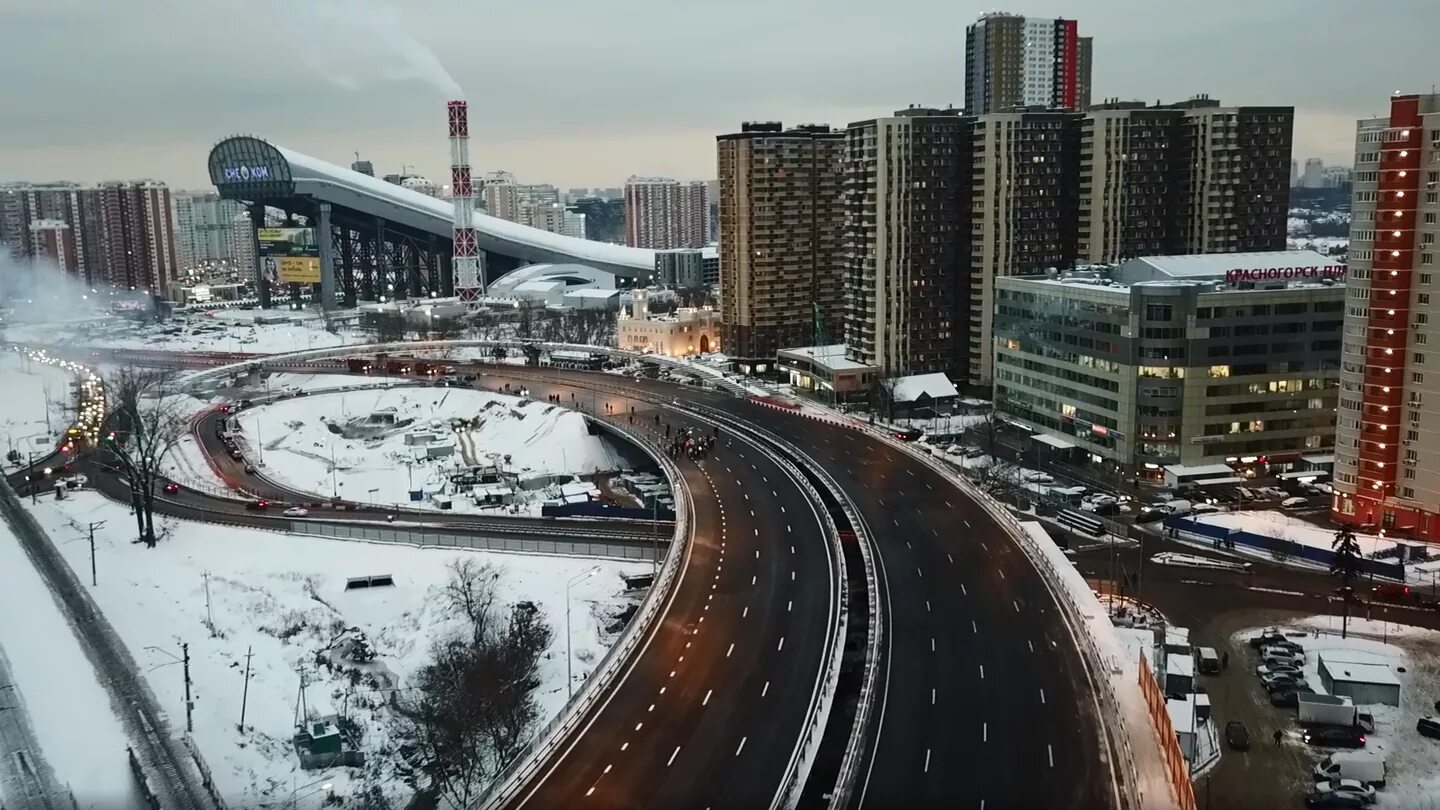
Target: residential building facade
1234,191
782,220
1387,456
1176,359
1015,61
204,229
906,206
664,214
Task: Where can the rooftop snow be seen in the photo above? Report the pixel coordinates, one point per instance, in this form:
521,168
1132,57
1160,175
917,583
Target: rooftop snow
1212,266
831,357
937,385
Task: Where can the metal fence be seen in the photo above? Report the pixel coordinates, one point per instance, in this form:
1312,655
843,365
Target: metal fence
440,539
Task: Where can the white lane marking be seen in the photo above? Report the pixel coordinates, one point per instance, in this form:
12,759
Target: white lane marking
935,532
773,492
927,485
792,549
706,701
950,557
789,605
753,578
932,644
927,605
782,510
752,513
757,532
984,732
608,767
963,592
896,521
741,747
918,571
639,726
982,672
757,553
1002,573
1031,645
910,472
951,505
967,523
974,628
624,745
1016,604
731,650
765,689
1050,752
927,760
1042,697
662,689
673,754
932,696
652,707
747,496
787,528
907,544
984,545
792,576
590,791
781,645
745,612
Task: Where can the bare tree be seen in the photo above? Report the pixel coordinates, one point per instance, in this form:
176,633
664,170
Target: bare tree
471,593
389,326
147,422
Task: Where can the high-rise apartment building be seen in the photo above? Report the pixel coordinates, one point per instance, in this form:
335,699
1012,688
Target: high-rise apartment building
242,240
907,218
120,233
1015,61
664,214
1234,193
782,220
54,240
1023,205
1192,177
500,196
204,228
1387,454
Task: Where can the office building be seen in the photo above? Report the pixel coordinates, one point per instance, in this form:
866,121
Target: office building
907,225
782,220
664,214
1023,205
1169,360
364,167
1015,61
1387,455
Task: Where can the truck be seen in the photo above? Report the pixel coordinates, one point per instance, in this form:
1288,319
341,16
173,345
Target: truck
422,368
1325,710
357,365
1364,766
397,367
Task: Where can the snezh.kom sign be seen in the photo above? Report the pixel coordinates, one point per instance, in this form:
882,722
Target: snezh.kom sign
1273,273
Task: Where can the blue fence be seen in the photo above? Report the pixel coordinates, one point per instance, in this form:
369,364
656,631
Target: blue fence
1288,548
601,509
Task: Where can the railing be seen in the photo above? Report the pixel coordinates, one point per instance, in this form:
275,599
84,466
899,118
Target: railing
517,774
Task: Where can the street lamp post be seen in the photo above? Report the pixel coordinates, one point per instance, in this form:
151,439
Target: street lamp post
569,658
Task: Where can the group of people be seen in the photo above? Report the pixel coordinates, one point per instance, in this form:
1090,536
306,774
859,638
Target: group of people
686,442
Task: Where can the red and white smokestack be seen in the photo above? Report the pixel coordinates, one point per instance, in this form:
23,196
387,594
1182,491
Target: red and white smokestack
469,284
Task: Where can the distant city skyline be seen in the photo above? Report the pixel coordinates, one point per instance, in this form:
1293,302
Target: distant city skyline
627,117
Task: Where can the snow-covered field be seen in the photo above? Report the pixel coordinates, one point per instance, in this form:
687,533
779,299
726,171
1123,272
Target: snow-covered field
387,443
78,734
32,390
1413,655
1272,523
226,331
283,599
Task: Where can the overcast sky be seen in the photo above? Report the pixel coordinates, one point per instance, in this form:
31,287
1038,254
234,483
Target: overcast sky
583,93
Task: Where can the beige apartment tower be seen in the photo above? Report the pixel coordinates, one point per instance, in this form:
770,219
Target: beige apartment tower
782,223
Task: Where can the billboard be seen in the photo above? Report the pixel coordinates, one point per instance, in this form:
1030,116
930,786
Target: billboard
289,255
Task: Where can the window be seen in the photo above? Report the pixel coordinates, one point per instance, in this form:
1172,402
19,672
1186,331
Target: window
1219,371
1364,196
1411,456
1424,299
1158,312
1407,492
1425,278
1420,337
1417,377
1432,197
1423,317
1430,215
1418,359
1409,472
1426,258
1412,435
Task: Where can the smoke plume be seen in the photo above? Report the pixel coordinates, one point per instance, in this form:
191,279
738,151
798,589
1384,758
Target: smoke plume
356,43
39,291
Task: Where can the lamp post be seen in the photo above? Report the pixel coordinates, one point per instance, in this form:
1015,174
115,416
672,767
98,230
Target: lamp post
569,658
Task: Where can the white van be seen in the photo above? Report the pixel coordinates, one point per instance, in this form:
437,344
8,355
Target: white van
1207,660
1361,765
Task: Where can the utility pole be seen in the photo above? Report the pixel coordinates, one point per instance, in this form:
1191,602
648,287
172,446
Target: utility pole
245,692
34,483
93,526
209,619
189,703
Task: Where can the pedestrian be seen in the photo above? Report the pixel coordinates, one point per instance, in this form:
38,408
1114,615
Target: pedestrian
1225,661
1279,735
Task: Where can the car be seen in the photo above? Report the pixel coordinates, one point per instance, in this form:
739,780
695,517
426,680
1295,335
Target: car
172,488
257,506
1295,502
1205,508
908,434
1428,726
1277,668
1335,737
1281,655
1349,787
1333,801
296,511
1237,736
1267,639
1284,681
245,403
1288,698
250,469
235,453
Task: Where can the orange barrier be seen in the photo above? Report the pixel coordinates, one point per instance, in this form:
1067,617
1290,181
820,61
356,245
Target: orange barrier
1179,770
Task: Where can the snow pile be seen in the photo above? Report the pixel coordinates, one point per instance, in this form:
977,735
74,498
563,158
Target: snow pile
1279,525
79,737
1413,655
283,598
387,443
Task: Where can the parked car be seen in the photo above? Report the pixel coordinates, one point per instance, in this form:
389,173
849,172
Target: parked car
1277,668
1283,681
1295,502
1333,801
1288,698
906,435
1428,726
1237,736
172,488
257,506
1335,737
1281,655
1269,638
1363,766
296,511
1349,787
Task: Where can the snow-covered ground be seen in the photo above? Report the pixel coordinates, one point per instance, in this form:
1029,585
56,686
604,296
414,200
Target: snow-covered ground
78,734
33,390
374,438
1413,655
1276,524
226,331
282,598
